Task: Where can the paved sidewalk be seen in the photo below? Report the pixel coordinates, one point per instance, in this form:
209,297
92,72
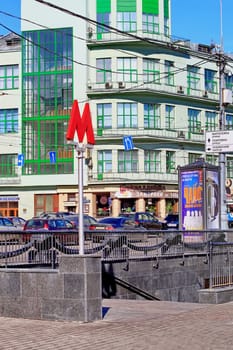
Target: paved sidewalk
128,324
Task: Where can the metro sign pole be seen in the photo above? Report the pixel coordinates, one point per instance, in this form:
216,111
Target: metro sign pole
82,125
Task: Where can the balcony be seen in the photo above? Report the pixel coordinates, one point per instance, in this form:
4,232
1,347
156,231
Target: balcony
150,134
149,88
139,177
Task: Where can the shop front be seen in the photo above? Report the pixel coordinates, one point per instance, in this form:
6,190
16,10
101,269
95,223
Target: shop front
9,205
159,200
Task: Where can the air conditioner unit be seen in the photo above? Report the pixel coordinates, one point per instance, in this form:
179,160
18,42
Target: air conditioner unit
108,85
121,84
181,134
180,90
89,32
205,93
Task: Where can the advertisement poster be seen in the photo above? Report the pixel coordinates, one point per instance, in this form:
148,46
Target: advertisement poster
212,199
192,204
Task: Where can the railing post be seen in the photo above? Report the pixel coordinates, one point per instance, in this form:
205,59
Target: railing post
210,248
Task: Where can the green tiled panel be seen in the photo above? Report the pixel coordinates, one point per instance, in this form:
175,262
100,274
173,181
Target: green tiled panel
150,6
103,6
126,5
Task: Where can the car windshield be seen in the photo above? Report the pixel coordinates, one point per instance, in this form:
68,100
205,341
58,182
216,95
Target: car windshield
6,222
172,217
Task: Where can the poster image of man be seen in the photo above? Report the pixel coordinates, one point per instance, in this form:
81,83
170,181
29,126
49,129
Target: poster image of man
212,198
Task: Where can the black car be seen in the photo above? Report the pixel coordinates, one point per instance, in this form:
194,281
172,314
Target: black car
145,219
172,221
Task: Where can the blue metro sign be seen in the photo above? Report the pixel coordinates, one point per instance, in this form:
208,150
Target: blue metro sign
20,160
52,157
128,143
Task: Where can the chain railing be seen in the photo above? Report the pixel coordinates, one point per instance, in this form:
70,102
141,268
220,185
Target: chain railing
31,248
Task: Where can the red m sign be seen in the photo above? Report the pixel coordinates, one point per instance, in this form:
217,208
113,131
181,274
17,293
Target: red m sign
81,124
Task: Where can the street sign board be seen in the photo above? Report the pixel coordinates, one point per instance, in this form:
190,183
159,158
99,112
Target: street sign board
219,141
20,159
52,157
128,143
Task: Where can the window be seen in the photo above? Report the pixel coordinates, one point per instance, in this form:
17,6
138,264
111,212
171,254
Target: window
152,161
127,115
229,121
192,157
194,123
150,23
229,81
104,161
151,71
9,77
103,72
104,115
127,21
210,158
211,121
169,117
193,78
166,27
8,163
229,167
166,17
127,161
170,162
103,18
150,16
210,80
151,116
47,97
8,121
103,9
169,75
127,69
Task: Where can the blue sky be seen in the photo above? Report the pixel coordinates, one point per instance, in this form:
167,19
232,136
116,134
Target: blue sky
197,20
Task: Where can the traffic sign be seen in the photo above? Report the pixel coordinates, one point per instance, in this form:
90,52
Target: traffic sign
128,143
20,160
219,141
52,157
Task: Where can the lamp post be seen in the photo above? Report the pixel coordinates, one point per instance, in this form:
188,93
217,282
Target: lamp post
222,124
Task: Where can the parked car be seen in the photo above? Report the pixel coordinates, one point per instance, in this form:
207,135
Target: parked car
17,221
48,224
172,221
6,224
43,225
89,223
120,223
7,227
145,219
57,214
230,219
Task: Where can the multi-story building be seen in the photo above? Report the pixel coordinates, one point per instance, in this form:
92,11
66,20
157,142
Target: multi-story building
10,126
151,97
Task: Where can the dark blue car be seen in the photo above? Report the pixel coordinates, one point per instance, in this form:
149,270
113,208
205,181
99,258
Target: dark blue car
119,222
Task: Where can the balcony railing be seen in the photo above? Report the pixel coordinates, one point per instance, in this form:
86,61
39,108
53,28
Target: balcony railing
150,87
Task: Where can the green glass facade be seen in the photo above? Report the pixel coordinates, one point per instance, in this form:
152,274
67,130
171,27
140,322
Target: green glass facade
47,97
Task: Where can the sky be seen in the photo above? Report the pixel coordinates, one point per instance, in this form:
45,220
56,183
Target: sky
196,20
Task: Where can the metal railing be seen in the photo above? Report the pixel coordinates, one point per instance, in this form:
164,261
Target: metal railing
30,248
220,264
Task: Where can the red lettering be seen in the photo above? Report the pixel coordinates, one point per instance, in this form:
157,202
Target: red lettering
81,124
